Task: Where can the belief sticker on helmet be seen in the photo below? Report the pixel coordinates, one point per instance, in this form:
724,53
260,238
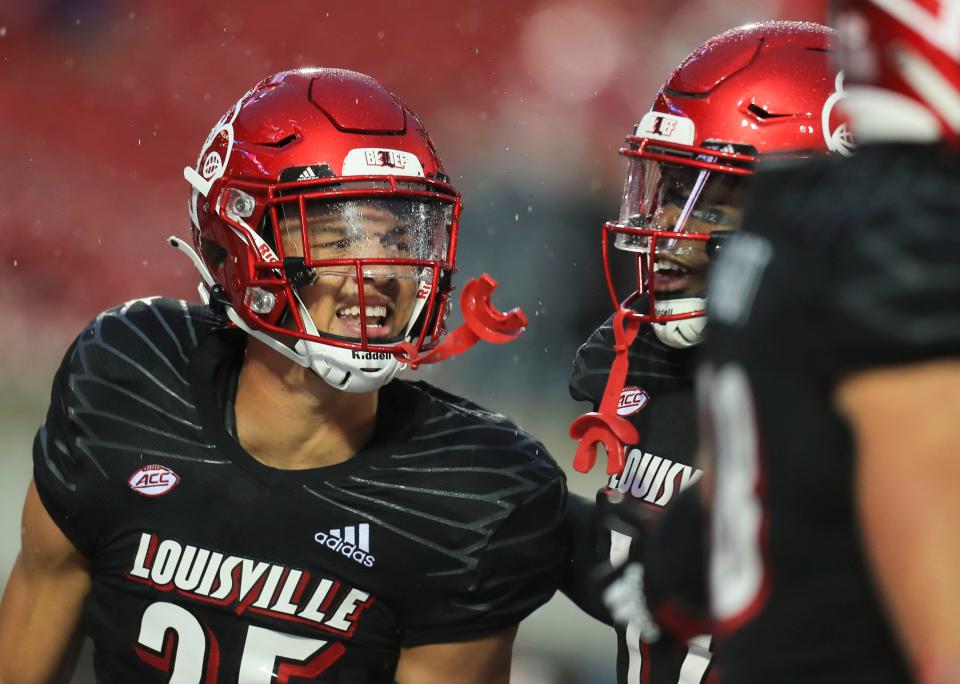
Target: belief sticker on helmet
662,126
372,161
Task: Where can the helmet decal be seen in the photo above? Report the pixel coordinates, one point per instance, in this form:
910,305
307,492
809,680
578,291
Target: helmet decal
215,153
837,136
369,161
662,126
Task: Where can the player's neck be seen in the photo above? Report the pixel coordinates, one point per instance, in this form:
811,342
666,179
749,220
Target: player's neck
287,417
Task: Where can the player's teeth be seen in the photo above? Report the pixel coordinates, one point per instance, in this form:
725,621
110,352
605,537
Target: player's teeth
669,268
373,312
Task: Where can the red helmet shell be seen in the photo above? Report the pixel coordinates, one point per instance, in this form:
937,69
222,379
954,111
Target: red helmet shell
902,59
767,86
311,116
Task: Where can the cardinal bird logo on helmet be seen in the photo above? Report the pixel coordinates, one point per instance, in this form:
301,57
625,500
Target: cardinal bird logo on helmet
836,132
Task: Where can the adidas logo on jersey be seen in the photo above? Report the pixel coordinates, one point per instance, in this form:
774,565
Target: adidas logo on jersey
653,479
353,541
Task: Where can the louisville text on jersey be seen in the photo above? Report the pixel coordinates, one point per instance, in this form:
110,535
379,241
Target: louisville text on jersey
652,478
247,585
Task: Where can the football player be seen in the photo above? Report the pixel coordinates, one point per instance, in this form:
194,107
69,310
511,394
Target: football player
761,91
236,491
832,382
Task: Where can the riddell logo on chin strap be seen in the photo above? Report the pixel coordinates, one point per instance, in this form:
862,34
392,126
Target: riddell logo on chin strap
345,542
371,355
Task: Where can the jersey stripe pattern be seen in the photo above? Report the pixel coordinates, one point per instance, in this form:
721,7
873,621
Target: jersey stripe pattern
211,566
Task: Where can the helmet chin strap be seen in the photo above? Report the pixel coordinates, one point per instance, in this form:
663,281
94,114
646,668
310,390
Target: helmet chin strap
207,283
332,364
337,366
683,333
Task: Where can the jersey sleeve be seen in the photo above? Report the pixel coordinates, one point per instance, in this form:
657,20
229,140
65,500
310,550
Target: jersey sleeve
872,241
588,541
519,570
897,295
68,480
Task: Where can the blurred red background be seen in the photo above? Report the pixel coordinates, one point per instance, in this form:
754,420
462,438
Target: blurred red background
105,102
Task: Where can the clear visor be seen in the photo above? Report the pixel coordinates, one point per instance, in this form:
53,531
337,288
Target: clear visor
676,200
395,237
397,243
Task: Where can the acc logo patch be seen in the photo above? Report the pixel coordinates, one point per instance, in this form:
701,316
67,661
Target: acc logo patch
632,399
153,480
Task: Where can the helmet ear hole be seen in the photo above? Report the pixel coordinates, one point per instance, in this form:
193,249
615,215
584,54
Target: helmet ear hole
213,253
298,273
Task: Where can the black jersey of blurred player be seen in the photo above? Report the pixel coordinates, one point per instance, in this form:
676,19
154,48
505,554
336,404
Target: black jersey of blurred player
658,398
210,565
844,265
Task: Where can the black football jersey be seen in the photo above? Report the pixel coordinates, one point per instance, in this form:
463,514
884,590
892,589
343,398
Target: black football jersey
658,398
842,266
209,566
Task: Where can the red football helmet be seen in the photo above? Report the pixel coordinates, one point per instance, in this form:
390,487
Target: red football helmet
320,180
902,59
760,90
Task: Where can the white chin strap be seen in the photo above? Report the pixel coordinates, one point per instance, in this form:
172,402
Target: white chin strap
687,332
345,369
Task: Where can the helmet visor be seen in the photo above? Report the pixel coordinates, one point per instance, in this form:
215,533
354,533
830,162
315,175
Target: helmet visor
674,200
369,262
390,237
671,224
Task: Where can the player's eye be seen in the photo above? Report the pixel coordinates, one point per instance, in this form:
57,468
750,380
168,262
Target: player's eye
396,238
708,215
675,194
715,217
341,243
